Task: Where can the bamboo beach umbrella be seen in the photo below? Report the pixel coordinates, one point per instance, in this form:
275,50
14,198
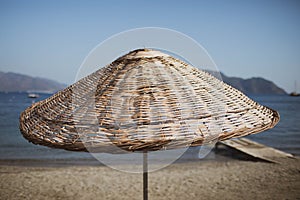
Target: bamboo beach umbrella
144,101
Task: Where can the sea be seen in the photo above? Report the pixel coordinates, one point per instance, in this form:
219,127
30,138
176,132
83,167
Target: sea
285,136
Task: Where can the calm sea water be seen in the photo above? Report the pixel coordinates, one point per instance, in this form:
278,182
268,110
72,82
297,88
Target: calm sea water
285,136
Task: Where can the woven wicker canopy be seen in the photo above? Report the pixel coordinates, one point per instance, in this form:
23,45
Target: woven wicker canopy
144,101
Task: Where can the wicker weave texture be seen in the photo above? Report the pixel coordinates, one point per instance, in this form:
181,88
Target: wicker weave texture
144,101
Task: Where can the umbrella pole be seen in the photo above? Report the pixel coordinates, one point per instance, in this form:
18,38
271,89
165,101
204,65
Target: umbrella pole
145,175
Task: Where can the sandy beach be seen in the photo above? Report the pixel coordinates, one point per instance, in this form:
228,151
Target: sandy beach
231,179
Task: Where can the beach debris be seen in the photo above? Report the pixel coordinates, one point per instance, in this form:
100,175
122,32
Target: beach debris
257,150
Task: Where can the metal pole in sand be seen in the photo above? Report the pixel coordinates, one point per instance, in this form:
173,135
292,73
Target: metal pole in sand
145,175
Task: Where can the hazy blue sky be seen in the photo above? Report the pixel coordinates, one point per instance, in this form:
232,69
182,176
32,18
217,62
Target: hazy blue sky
245,38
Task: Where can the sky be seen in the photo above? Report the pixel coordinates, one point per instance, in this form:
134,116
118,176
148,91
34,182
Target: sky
246,39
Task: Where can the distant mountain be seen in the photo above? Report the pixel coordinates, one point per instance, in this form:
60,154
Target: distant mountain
252,86
14,82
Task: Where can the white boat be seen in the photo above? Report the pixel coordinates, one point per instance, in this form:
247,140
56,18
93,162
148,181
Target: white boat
32,95
295,93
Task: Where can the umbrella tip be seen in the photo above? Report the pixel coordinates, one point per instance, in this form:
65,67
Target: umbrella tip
141,50
145,53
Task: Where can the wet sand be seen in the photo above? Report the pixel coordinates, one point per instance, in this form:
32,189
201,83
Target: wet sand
232,179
